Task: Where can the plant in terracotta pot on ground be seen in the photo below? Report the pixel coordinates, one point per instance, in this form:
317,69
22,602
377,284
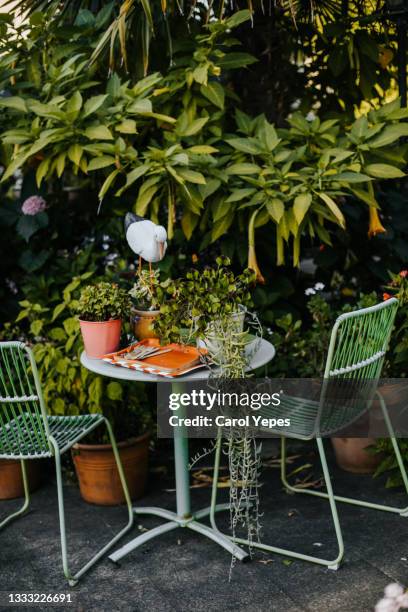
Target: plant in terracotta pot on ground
94,461
101,309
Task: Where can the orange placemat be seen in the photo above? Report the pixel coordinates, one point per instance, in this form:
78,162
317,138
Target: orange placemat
180,360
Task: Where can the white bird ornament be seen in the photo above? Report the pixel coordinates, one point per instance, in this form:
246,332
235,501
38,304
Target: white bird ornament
146,239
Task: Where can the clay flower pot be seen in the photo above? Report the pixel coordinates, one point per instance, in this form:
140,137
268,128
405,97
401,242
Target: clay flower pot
143,323
100,337
97,472
352,456
11,480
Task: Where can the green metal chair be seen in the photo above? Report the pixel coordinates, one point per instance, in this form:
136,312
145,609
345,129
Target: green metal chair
28,432
358,344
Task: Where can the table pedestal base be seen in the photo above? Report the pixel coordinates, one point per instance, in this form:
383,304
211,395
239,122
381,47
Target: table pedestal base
173,522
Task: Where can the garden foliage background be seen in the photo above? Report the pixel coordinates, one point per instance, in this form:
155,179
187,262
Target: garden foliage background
271,135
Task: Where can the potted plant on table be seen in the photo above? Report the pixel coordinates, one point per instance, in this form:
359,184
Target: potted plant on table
101,309
198,306
147,293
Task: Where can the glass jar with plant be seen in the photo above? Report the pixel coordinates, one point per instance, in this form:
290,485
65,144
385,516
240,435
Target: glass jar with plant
147,293
193,305
101,309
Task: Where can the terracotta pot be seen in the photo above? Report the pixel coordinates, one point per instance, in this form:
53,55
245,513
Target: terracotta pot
142,323
352,456
98,476
11,480
100,337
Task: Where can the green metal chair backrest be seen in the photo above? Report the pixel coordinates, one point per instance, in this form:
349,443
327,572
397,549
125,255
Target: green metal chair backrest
358,344
24,429
359,341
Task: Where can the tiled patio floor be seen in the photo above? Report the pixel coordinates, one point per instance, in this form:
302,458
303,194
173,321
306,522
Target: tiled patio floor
182,571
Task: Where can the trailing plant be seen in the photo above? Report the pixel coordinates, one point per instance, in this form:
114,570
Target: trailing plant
192,302
102,302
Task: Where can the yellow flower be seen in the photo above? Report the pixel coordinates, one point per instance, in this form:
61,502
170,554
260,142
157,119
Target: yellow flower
375,226
253,264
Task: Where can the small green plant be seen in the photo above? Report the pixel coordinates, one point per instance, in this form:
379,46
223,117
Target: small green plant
147,290
102,302
202,296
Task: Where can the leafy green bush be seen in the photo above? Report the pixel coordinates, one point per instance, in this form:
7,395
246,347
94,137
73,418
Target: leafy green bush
102,302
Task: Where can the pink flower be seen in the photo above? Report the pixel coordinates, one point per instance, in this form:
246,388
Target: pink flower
33,205
403,273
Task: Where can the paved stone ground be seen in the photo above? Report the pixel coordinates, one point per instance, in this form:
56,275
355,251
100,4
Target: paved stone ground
182,571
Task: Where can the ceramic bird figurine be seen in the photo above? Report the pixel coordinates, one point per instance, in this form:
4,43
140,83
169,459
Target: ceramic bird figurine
146,239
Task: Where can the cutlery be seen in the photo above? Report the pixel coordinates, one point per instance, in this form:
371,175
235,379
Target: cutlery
144,352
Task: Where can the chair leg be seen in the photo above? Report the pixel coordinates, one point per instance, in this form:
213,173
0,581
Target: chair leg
331,564
351,500
73,578
25,505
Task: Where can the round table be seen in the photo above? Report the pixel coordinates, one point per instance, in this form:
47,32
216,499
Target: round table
183,516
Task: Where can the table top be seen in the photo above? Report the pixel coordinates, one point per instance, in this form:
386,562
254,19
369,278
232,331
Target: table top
264,354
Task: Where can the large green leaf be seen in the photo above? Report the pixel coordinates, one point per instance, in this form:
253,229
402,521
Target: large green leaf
194,127
74,105
144,198
132,177
108,183
237,18
140,106
246,145
192,176
93,104
242,169
350,177
333,208
276,209
239,194
214,92
98,132
236,60
75,153
384,171
101,162
390,134
301,206
14,102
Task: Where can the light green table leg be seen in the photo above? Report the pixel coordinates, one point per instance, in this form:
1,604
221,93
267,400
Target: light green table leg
183,517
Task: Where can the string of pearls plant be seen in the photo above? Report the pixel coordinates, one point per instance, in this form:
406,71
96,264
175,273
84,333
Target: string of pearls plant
228,347
209,306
